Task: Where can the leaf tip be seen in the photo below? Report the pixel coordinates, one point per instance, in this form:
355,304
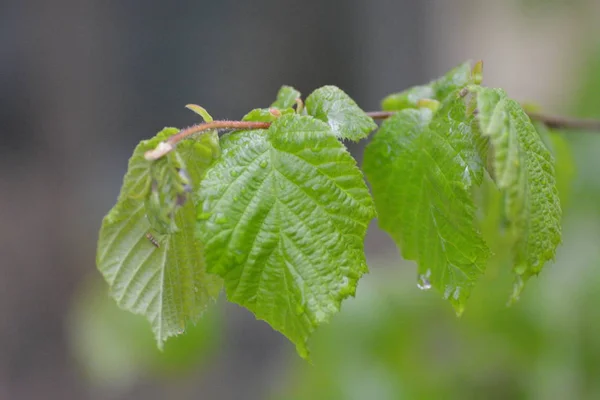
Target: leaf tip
201,111
477,72
518,287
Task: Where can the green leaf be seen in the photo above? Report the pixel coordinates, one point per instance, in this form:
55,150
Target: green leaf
407,98
283,215
266,114
201,111
160,275
286,97
457,78
524,172
330,104
421,169
564,161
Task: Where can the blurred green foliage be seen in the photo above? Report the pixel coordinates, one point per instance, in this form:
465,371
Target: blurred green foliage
115,347
394,341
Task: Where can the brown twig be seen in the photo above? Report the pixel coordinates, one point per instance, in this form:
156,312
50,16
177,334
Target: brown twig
556,122
380,114
168,145
551,121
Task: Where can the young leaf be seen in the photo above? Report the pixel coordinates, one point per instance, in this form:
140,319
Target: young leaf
421,169
160,275
330,104
283,215
266,114
169,191
524,172
201,111
457,78
286,97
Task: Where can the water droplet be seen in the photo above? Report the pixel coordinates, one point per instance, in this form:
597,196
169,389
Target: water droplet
456,294
447,292
196,289
423,281
467,175
183,174
263,164
234,173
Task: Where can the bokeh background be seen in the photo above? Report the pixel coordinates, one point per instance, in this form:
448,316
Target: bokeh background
82,81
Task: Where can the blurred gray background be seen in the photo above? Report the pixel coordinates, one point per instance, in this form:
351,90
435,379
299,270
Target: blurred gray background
81,82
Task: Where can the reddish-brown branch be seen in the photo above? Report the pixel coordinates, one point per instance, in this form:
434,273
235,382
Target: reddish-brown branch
555,122
167,146
182,134
380,114
163,148
551,121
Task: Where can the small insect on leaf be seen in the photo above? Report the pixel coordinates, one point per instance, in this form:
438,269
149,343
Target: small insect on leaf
152,240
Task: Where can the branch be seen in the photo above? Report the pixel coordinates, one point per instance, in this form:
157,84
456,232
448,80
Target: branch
556,122
168,145
553,122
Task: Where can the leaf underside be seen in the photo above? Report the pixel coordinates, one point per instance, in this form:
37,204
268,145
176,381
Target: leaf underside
523,170
283,215
421,168
157,273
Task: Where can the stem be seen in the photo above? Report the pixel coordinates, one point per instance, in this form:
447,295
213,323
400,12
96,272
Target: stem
556,122
168,145
182,134
551,121
380,114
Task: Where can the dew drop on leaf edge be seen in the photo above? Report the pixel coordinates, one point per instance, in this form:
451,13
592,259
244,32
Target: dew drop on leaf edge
423,282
